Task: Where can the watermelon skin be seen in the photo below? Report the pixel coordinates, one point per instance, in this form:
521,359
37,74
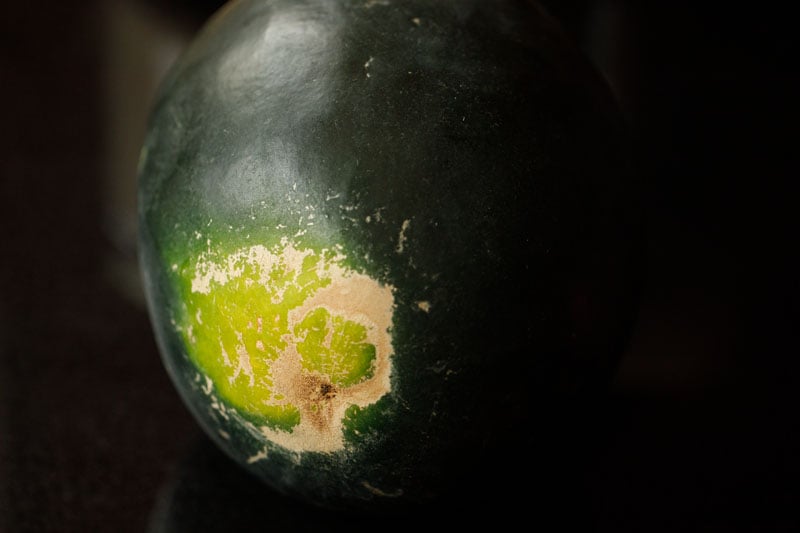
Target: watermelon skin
464,162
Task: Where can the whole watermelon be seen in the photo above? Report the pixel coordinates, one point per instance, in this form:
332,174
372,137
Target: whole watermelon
384,241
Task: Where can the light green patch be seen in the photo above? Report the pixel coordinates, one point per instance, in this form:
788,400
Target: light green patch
334,346
289,337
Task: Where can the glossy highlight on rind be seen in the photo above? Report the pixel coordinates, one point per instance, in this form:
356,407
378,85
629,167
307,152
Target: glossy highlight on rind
289,338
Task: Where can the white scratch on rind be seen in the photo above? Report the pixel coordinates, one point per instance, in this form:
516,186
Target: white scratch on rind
438,367
219,407
209,386
367,64
401,239
378,492
244,364
257,457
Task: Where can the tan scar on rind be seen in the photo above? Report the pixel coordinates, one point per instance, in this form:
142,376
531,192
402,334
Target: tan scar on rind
322,405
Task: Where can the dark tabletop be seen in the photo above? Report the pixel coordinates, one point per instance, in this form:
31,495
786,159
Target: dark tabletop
700,428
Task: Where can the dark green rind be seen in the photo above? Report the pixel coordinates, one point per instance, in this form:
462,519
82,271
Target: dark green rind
480,125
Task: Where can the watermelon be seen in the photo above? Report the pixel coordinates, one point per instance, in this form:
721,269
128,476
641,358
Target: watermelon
382,242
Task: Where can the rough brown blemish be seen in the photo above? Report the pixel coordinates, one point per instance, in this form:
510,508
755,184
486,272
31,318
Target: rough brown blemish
314,398
327,391
322,405
277,375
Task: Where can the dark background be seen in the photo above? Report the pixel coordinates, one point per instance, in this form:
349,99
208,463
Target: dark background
700,429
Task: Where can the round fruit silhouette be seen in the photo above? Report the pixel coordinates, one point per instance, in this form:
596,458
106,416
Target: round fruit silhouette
384,241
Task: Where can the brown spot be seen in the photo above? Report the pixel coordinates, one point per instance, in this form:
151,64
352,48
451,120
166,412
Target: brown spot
327,390
322,404
314,396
